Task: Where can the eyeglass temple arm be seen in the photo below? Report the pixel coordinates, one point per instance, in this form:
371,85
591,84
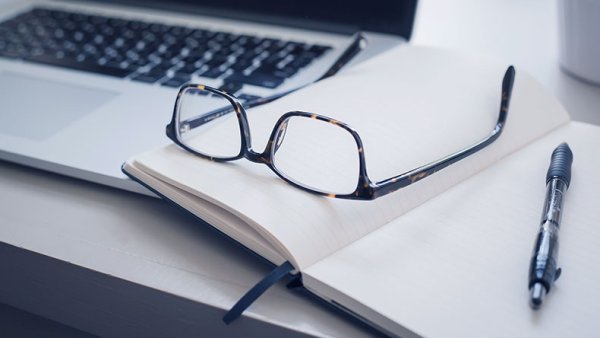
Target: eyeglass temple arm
359,42
199,120
392,184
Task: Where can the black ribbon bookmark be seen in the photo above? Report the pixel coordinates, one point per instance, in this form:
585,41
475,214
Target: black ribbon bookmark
257,290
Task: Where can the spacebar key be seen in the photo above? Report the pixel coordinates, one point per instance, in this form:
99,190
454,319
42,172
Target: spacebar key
85,66
261,80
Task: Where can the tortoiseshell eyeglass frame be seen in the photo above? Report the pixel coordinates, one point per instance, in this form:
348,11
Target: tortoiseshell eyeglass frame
365,188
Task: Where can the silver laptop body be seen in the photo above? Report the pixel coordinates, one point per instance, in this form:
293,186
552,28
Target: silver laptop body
86,124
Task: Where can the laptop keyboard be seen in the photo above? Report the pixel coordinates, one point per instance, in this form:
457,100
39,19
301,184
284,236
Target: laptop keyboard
152,52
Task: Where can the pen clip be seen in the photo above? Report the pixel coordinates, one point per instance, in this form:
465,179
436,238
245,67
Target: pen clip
557,274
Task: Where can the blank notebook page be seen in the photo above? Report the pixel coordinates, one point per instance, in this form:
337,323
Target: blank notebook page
457,266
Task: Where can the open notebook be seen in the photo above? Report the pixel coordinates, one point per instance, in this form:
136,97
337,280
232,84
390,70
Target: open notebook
447,256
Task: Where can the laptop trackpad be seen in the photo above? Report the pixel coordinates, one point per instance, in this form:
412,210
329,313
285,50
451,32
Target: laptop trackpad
35,108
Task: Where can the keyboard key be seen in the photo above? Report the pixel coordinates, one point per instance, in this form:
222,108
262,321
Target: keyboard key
148,77
241,65
187,70
285,72
176,81
160,68
300,62
261,80
248,53
213,63
86,66
275,71
247,97
231,87
319,49
213,73
9,50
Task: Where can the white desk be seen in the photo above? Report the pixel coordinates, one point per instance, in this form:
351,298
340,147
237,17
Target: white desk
73,251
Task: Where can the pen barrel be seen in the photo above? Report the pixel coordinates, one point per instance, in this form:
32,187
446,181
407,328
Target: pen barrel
543,268
555,192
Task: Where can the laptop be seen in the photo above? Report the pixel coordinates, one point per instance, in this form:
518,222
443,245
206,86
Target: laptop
84,85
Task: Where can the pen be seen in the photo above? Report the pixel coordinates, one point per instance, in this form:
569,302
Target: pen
543,269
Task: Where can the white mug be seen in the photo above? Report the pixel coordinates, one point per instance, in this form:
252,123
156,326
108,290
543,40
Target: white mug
579,32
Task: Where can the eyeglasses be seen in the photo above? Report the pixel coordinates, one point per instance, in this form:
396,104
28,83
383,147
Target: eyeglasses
312,152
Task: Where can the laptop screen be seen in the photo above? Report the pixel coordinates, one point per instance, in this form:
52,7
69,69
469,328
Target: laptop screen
384,16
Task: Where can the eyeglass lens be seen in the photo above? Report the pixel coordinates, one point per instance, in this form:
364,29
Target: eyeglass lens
317,154
207,123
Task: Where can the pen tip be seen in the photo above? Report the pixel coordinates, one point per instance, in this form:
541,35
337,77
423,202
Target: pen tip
537,295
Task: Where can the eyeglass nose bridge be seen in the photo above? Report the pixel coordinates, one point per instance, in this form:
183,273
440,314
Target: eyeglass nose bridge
280,136
273,144
255,157
169,131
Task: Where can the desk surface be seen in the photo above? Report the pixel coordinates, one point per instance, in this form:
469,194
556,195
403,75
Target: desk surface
178,277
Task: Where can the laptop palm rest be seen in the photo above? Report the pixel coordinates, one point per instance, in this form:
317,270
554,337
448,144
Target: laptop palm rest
36,109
